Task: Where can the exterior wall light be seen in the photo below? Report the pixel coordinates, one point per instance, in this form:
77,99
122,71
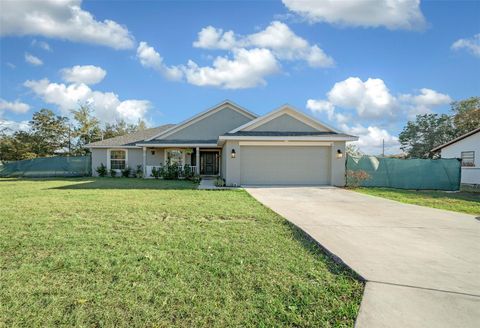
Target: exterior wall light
339,153
233,153
153,152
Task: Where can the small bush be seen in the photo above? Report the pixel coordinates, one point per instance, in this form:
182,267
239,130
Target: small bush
355,178
126,172
188,173
219,182
196,178
170,171
113,173
156,173
102,170
139,171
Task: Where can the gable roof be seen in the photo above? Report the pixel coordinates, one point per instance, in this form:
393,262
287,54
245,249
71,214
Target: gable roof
468,134
129,140
224,104
289,110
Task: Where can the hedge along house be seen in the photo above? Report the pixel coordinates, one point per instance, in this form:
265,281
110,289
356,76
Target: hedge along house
283,147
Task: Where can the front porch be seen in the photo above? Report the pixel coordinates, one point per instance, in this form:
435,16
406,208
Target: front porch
202,161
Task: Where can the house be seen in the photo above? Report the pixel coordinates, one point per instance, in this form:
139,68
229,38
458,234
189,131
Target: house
467,148
283,147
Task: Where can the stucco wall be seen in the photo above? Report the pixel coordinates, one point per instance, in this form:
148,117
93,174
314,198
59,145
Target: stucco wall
212,126
99,156
232,165
285,123
470,175
338,164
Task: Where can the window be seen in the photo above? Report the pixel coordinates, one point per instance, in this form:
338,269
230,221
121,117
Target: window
118,159
175,156
468,158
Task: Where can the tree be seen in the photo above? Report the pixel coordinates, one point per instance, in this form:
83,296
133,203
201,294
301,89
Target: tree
121,128
16,146
419,137
87,128
49,133
466,114
353,150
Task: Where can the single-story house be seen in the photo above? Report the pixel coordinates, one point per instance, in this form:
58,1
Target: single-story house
283,147
467,148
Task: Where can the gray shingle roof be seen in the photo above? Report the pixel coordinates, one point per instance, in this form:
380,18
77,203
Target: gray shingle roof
132,138
284,134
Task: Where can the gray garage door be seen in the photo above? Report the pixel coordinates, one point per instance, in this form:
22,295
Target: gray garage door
282,165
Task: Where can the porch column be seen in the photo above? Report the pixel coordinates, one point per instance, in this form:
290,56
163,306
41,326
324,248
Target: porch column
197,160
144,161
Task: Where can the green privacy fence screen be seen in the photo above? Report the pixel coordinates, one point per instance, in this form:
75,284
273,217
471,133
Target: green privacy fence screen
432,174
48,167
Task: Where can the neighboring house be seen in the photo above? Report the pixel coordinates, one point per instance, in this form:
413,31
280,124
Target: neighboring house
283,147
467,148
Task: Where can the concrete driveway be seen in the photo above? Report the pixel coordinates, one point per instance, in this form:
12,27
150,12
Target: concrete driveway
422,265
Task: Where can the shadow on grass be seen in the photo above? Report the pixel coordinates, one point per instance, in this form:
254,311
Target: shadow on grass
334,264
435,194
109,183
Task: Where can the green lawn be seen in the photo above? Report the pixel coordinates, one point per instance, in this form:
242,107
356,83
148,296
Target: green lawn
465,202
128,252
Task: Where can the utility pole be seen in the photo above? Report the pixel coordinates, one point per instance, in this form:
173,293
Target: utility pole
383,147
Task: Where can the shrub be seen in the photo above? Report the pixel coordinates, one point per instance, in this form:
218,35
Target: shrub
219,182
355,178
126,172
196,178
101,170
170,171
156,173
139,172
113,173
188,173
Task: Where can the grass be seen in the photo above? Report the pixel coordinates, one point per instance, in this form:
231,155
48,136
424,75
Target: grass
129,253
465,202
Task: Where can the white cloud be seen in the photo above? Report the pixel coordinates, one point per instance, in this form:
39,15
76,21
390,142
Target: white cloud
214,38
370,98
11,65
321,106
248,68
15,106
87,74
392,14
32,60
424,102
472,45
371,139
41,44
7,126
107,105
277,37
63,20
150,58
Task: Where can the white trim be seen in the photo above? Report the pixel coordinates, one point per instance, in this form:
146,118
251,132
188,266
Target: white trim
285,143
285,109
290,138
160,145
109,159
202,115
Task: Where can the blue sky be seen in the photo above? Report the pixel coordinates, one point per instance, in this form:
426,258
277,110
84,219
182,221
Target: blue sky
359,66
